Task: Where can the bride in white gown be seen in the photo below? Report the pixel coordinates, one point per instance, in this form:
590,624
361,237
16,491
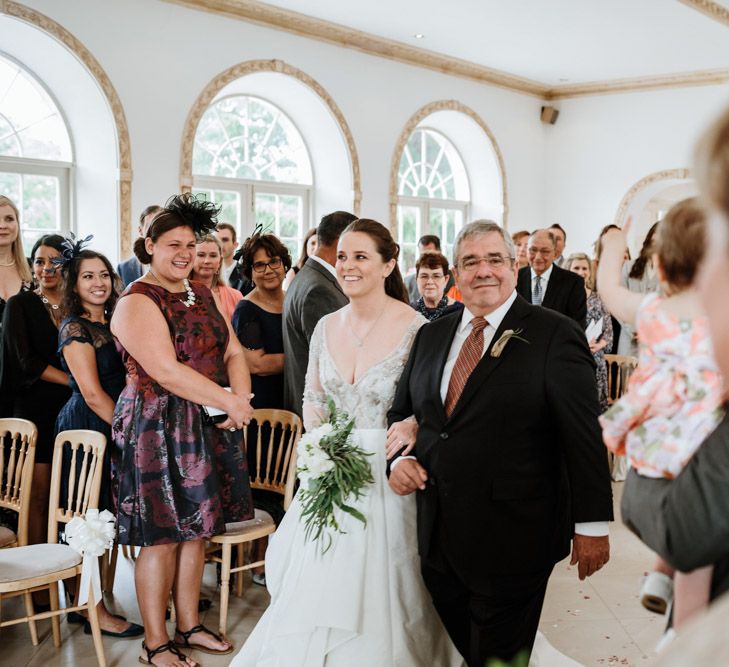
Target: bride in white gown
363,602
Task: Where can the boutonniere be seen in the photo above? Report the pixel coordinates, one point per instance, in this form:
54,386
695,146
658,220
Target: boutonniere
498,347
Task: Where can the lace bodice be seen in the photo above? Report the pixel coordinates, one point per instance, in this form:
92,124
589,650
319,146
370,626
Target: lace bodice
369,398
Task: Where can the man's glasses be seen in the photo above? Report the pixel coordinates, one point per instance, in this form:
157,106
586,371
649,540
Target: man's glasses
273,264
494,261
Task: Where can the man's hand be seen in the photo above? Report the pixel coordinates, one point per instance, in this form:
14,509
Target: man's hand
590,553
408,476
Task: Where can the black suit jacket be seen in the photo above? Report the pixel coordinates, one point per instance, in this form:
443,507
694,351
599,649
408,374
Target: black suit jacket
565,293
521,458
314,293
686,520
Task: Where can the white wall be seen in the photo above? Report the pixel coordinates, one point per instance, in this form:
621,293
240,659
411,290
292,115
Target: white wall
602,145
160,56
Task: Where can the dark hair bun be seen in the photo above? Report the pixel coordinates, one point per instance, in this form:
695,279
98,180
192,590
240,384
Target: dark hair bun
140,251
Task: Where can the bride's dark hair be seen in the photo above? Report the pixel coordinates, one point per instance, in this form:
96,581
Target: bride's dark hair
387,249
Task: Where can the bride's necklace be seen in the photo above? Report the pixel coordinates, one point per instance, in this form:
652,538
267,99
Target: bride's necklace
190,294
361,339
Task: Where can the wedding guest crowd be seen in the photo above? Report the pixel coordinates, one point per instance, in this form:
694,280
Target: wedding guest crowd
206,327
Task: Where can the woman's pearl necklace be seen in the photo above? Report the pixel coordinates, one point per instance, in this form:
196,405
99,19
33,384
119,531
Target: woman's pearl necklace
186,283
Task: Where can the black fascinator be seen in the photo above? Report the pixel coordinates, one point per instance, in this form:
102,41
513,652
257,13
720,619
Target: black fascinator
259,230
71,250
200,214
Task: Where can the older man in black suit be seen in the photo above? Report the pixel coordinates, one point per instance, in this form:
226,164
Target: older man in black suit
314,293
543,283
509,463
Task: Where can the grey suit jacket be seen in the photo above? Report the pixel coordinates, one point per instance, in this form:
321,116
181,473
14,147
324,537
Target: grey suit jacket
686,520
314,293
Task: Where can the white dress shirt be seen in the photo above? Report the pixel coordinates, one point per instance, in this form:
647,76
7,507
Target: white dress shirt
227,270
494,319
545,279
325,264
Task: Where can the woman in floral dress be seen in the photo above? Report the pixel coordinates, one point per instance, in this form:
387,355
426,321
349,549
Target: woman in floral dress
180,477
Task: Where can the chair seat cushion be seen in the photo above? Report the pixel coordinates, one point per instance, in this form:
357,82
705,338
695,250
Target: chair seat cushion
260,518
35,560
7,537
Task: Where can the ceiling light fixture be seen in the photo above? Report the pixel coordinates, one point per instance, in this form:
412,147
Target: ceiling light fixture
418,35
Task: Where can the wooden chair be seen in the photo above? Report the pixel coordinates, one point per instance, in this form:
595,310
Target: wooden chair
17,457
274,470
26,569
619,370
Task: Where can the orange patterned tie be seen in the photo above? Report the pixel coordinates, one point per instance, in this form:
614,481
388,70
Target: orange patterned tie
468,357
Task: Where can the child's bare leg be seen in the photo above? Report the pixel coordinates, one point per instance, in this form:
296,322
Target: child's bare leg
692,591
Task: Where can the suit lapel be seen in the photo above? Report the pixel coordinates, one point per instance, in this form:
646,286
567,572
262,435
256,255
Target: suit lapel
514,319
442,348
553,287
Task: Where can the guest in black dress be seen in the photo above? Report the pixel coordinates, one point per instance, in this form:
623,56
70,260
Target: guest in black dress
258,323
431,276
14,278
96,376
33,369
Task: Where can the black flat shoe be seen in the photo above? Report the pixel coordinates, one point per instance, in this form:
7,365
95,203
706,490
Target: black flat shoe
134,630
75,617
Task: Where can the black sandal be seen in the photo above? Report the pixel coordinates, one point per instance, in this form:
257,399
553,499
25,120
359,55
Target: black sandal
169,646
198,647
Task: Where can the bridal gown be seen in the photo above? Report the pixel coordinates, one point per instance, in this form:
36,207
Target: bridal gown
363,602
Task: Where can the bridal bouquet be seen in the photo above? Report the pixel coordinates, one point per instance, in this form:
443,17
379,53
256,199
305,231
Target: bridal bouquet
332,470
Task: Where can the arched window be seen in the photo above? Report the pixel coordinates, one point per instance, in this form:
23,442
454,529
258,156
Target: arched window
35,154
433,193
249,157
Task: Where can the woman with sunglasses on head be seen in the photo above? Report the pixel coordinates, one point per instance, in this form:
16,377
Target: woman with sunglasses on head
207,269
258,323
33,370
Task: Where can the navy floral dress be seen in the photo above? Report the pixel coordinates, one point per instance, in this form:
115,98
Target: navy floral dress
177,477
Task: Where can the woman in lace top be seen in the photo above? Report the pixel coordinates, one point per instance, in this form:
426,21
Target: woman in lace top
96,376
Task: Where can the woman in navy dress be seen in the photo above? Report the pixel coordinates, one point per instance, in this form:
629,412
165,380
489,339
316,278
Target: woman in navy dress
96,376
258,323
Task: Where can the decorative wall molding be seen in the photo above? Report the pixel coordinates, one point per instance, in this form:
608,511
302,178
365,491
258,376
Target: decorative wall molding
701,78
412,123
48,25
627,200
339,35
252,11
250,67
711,9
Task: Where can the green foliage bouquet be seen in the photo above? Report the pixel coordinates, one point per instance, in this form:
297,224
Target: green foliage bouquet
332,471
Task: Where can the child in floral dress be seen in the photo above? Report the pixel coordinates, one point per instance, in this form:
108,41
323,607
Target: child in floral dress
675,397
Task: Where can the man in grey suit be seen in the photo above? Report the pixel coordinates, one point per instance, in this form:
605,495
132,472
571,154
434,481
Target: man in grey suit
314,293
131,269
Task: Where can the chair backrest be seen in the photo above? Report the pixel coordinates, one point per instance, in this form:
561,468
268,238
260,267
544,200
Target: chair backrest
17,458
86,457
619,370
274,434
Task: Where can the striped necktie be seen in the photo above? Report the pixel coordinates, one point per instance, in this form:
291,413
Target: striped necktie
468,357
537,292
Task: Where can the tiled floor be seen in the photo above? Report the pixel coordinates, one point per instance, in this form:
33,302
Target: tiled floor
596,622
